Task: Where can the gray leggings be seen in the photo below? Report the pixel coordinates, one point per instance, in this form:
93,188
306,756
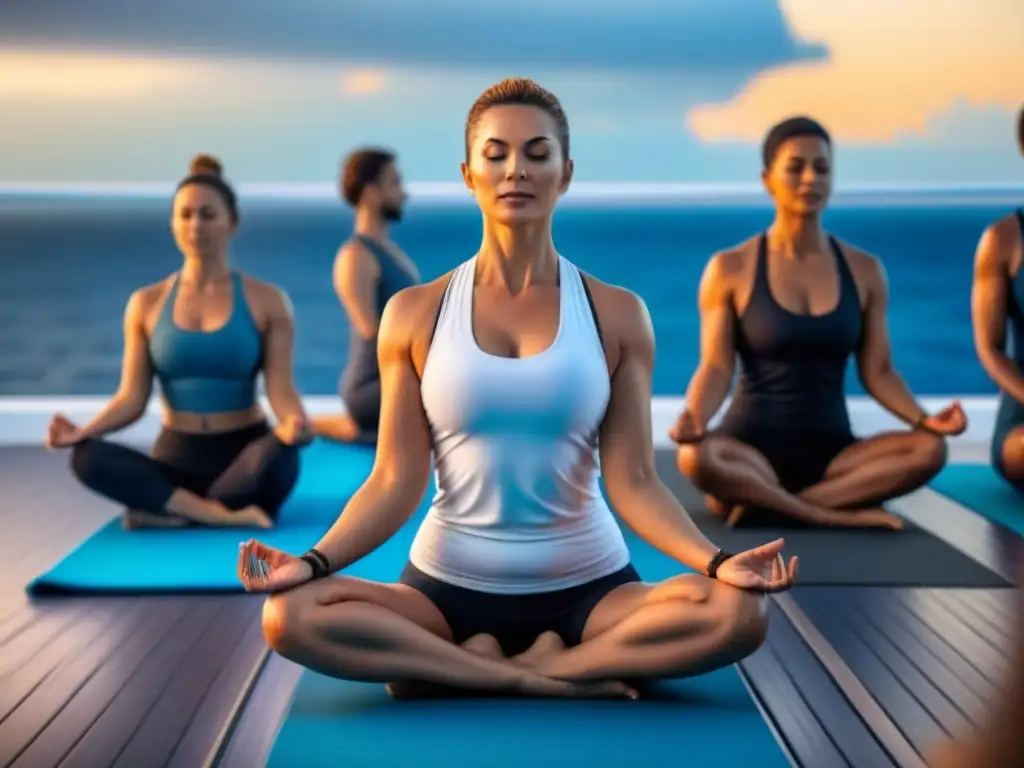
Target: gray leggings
362,401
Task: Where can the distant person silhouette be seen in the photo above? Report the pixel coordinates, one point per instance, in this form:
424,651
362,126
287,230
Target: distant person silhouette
205,333
997,311
795,304
368,271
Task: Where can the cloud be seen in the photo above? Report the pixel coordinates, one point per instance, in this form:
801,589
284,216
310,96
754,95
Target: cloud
363,82
892,68
725,35
32,78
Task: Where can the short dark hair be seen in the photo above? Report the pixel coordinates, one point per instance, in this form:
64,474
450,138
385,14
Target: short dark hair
788,129
519,90
363,167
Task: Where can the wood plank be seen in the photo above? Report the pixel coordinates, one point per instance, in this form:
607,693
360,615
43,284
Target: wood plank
816,721
81,677
231,690
978,619
904,705
934,659
988,660
251,739
975,608
23,681
931,649
90,705
161,731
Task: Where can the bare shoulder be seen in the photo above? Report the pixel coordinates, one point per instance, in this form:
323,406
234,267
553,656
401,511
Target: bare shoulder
1002,239
147,298
734,261
867,268
622,314
410,313
267,297
726,271
354,254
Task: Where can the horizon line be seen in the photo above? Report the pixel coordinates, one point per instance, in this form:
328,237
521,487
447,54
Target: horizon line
455,191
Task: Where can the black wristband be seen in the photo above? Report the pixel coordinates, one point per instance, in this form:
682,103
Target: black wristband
716,562
317,561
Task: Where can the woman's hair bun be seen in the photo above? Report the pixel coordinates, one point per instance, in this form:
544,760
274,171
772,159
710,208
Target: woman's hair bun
206,165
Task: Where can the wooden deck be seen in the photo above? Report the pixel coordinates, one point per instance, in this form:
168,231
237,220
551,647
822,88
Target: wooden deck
96,682
849,676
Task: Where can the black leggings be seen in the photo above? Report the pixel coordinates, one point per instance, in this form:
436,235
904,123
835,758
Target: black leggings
244,467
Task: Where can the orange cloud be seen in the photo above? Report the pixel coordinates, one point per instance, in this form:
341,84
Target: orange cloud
893,67
363,82
58,76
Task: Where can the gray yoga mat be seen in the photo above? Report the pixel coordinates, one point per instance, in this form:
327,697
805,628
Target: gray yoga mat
834,556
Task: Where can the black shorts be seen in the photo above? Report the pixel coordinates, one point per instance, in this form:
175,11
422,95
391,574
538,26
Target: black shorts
800,458
516,621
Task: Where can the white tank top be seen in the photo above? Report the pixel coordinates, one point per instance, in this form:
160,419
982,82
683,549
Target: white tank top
518,507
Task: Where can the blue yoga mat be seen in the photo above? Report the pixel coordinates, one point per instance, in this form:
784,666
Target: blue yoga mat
116,561
708,720
981,490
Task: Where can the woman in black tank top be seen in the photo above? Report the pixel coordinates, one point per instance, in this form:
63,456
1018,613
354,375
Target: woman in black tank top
795,306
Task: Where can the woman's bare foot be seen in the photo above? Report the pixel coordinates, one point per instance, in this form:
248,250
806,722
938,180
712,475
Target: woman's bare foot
735,516
531,684
408,690
875,517
253,517
538,686
543,648
716,507
340,428
134,519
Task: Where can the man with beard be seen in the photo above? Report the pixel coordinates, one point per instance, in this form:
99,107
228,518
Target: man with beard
368,270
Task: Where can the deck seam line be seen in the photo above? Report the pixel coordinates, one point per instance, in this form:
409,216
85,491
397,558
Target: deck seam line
223,740
767,717
884,729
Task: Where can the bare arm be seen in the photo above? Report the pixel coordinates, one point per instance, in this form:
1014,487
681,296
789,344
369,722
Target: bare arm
278,369
132,397
355,281
875,367
710,382
988,313
401,470
627,450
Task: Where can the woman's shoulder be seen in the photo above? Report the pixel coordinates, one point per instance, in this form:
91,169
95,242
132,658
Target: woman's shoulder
862,262
145,297
621,313
265,294
415,307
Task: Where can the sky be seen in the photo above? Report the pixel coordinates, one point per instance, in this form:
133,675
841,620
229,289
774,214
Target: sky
111,91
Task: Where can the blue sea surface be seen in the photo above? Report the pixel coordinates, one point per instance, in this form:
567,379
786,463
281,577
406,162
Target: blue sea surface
68,265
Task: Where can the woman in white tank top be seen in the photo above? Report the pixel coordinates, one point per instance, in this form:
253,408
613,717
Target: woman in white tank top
526,380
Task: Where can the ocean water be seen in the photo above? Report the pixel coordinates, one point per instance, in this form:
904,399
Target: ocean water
67,267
